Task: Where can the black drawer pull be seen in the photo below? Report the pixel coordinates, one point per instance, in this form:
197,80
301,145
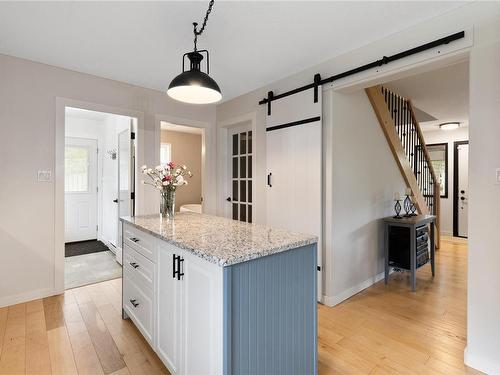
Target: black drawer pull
134,239
134,264
174,263
179,273
134,302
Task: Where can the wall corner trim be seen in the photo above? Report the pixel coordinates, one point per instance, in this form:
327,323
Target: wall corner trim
480,363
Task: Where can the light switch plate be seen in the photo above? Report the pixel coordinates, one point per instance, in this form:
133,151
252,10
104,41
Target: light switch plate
497,176
44,176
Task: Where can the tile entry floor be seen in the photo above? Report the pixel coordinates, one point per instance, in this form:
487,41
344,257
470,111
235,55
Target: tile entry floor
91,268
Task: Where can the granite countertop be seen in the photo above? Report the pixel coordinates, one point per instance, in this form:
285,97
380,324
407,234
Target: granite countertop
220,240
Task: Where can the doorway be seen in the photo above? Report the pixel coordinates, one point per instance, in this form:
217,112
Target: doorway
461,188
99,180
184,145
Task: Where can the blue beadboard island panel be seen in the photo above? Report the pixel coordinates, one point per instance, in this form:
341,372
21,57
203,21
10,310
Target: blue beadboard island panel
270,314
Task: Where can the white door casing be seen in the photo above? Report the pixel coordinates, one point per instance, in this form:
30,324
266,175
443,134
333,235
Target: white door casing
80,189
294,167
463,189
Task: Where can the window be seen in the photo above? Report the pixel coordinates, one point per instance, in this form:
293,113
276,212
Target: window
438,154
76,163
165,153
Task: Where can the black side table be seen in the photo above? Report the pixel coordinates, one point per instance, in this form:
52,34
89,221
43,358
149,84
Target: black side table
406,241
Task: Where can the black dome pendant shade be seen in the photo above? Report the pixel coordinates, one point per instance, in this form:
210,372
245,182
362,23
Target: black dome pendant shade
194,86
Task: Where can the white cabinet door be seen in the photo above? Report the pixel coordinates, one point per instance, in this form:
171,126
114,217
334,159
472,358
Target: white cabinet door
202,314
168,312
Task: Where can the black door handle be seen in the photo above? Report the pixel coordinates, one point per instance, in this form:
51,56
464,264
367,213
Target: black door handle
462,198
134,302
115,200
228,199
174,263
134,264
269,180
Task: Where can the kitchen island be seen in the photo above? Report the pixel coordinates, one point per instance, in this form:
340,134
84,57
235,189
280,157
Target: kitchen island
217,296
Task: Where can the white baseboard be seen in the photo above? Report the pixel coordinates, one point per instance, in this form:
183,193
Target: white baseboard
28,296
482,364
335,300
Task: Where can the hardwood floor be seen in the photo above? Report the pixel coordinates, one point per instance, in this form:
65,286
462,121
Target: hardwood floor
383,330
390,330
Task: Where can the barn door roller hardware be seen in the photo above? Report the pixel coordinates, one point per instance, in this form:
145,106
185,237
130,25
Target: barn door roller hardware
383,61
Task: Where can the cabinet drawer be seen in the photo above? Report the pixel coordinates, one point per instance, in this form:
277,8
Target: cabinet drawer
138,305
139,241
138,267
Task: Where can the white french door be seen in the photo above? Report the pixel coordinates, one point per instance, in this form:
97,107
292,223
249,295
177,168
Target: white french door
80,193
240,201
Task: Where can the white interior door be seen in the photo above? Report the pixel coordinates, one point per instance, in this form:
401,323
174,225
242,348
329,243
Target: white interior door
240,165
80,178
463,189
125,183
294,165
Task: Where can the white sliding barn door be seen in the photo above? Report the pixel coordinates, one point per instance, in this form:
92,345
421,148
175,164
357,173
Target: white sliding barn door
294,157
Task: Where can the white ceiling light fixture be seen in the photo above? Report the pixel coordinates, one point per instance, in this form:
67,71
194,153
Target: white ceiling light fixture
194,86
449,125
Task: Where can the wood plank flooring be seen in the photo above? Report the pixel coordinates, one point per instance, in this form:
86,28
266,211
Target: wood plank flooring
383,330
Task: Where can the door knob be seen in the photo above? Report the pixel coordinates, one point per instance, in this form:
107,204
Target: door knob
228,199
115,200
462,198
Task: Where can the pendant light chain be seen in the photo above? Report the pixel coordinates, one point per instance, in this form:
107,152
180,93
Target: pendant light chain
195,24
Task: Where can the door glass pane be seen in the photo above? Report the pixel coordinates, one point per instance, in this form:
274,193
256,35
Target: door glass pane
243,166
76,164
235,144
250,191
249,142
235,211
235,167
243,191
250,214
249,167
243,216
235,190
243,143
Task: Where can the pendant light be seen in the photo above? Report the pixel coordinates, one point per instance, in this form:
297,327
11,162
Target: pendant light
194,86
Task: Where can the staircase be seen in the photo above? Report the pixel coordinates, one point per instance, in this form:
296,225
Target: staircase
404,136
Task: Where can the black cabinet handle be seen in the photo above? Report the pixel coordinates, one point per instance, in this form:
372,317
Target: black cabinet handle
174,263
134,239
115,200
269,180
179,273
134,303
134,264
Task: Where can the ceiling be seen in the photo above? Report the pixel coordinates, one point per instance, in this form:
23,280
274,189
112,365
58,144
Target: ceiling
443,94
251,43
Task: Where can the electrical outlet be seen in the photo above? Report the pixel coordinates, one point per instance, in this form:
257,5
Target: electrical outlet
44,176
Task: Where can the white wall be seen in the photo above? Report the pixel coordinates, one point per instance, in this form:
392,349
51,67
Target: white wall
451,136
483,322
28,93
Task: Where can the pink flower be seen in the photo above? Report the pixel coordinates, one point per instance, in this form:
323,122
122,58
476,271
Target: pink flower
171,165
167,178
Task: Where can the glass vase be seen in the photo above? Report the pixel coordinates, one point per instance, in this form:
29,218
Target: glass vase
167,206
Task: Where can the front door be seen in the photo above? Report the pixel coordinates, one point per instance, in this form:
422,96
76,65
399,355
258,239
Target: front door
461,184
240,201
80,192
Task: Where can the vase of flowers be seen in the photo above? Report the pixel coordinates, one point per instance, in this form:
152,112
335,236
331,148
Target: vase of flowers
167,178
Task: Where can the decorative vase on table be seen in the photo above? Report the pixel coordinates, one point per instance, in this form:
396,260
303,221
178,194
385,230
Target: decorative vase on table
166,178
167,206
